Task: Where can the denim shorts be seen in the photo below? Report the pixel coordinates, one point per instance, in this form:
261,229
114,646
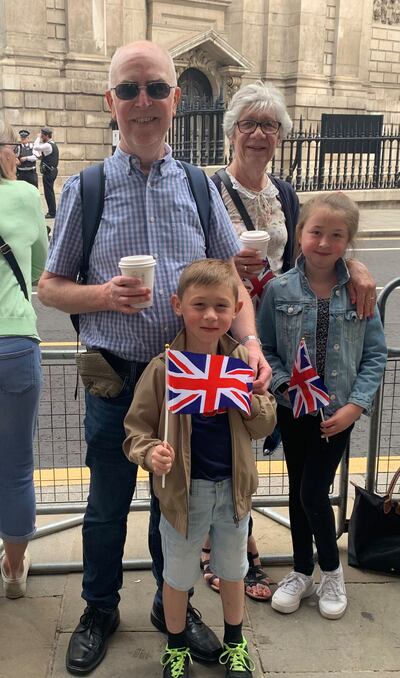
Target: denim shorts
211,511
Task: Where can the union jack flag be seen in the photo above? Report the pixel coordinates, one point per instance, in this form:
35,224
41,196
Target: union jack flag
307,391
255,286
198,383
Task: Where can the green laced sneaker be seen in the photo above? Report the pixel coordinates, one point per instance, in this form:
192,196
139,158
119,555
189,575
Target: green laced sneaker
175,662
238,663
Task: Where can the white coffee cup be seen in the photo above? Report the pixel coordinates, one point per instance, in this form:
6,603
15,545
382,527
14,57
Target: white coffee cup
140,266
256,240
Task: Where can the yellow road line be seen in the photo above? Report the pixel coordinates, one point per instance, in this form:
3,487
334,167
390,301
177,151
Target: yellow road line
78,475
59,343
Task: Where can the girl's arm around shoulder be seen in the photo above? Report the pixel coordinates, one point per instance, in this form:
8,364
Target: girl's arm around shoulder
372,364
262,419
145,416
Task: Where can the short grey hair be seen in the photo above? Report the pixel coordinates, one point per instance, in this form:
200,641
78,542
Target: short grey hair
258,97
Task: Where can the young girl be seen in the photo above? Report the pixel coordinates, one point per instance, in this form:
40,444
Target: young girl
311,301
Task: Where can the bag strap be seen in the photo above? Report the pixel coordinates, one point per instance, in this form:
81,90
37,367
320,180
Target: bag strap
200,188
237,201
387,506
92,191
8,255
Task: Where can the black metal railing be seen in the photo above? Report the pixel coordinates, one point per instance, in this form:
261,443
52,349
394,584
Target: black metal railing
307,159
196,134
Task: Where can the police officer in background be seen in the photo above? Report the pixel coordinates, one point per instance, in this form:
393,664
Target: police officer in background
26,163
45,147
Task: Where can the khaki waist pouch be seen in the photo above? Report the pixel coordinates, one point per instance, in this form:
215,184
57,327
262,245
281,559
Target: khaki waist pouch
97,375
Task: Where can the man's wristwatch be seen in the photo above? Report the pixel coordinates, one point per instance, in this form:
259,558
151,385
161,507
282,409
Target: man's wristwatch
248,337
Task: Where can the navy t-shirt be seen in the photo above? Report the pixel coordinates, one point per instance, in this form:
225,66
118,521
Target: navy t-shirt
211,447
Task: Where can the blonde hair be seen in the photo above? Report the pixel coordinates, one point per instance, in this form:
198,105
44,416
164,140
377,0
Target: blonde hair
7,136
336,202
208,273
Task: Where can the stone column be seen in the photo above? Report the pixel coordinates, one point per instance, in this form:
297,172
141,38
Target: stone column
352,42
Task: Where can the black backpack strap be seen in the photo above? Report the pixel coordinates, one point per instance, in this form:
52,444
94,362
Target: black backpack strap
92,190
198,183
237,201
13,263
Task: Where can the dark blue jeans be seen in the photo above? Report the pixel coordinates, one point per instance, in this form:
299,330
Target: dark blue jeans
112,483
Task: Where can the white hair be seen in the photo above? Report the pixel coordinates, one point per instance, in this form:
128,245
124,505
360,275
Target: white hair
257,97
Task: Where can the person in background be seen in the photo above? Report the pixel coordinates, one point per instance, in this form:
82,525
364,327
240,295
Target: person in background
147,187
312,301
22,230
210,467
47,150
255,122
26,160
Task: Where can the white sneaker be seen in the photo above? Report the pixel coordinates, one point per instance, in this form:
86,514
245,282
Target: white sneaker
332,594
292,589
15,588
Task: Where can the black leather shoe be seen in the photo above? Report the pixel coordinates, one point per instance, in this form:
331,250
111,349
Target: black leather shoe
202,642
49,216
88,643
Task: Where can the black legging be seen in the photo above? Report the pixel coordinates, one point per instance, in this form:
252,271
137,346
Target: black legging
311,463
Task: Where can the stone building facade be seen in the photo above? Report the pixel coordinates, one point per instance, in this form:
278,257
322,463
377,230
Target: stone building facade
332,56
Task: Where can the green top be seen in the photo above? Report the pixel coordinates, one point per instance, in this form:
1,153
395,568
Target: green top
22,226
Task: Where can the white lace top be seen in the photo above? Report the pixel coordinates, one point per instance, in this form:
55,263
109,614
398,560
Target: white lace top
266,214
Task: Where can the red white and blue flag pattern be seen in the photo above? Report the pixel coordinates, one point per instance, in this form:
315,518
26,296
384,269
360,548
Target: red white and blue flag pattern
255,286
200,383
307,390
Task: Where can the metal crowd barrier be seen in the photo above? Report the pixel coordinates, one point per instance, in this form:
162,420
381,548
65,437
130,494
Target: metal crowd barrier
384,439
62,479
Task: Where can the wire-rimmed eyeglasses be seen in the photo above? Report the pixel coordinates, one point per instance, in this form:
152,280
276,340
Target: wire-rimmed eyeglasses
250,126
15,147
130,90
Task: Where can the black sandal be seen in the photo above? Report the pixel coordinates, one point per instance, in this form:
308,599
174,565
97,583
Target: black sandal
256,576
208,574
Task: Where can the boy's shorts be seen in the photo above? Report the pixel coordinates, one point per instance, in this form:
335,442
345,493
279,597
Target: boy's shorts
211,511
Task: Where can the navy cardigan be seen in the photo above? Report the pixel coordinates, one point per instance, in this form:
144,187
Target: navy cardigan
290,208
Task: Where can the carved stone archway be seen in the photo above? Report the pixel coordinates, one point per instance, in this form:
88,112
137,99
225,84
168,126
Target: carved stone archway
222,65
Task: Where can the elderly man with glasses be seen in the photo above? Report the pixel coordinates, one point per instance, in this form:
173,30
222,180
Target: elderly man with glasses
148,209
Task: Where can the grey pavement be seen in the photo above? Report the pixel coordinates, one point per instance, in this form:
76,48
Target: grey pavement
380,222
35,630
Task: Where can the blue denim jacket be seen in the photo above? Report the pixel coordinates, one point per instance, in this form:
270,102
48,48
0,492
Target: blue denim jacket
356,349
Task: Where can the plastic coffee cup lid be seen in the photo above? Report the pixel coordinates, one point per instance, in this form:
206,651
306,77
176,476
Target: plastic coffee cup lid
138,260
256,236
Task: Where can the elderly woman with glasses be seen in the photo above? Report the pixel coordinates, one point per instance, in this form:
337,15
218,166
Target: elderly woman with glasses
23,249
255,122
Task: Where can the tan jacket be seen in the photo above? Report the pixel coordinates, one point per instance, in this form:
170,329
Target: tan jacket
144,425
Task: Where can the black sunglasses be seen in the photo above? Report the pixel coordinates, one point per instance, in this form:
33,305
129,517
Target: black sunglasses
16,147
130,90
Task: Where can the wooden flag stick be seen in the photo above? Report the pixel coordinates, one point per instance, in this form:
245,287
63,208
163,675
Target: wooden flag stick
166,406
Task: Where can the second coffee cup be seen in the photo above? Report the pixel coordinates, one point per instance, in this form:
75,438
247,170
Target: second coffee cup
256,240
140,266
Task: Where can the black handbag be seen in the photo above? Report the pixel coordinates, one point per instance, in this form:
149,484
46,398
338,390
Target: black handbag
374,530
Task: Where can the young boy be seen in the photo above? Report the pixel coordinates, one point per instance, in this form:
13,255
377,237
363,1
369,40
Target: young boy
211,473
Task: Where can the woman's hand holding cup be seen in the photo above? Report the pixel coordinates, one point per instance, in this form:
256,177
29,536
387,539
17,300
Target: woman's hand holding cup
249,263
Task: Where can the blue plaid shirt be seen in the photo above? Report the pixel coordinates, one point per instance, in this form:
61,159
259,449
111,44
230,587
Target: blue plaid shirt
154,214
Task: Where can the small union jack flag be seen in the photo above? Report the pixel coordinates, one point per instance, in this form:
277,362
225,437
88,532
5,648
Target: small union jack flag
198,383
255,286
307,390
